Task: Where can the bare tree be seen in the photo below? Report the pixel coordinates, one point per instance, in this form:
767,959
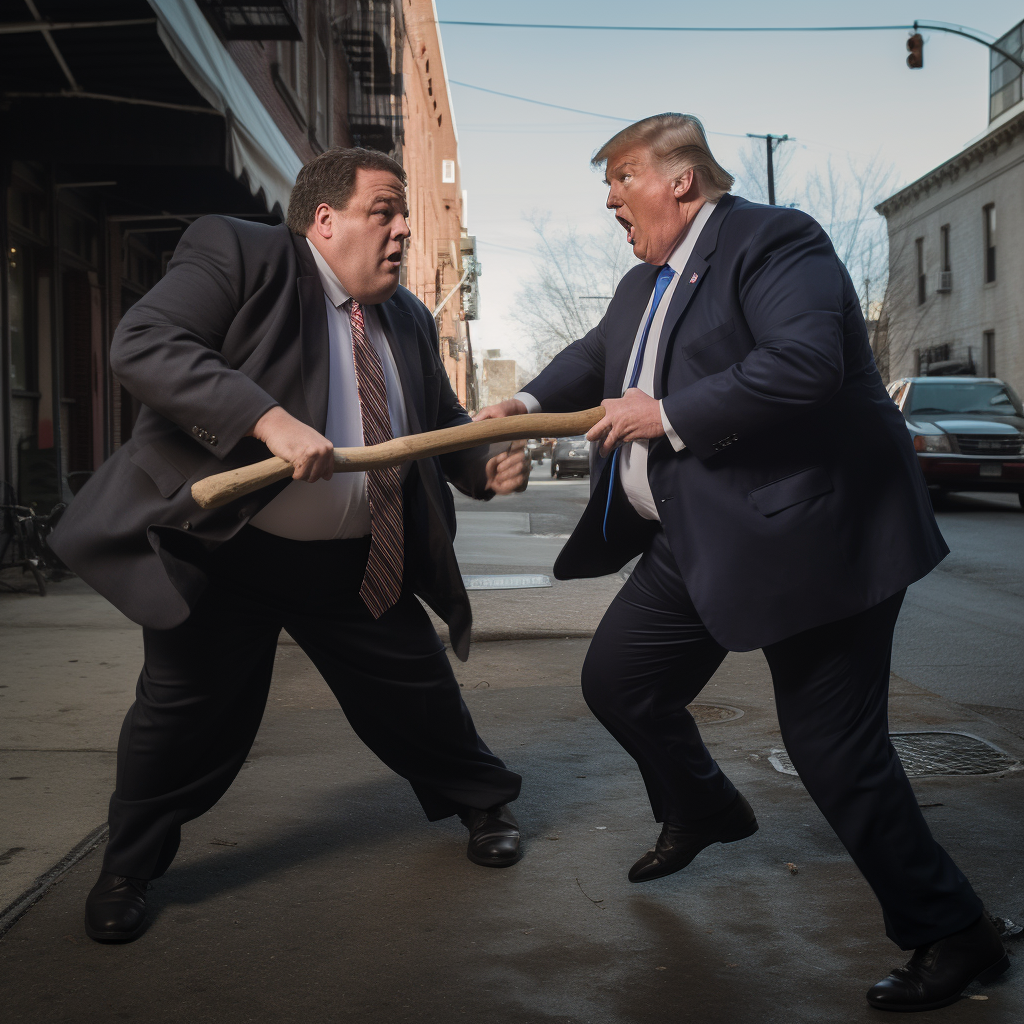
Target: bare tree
574,277
843,202
752,180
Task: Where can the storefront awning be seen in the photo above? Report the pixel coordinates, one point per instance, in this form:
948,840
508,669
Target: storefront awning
258,150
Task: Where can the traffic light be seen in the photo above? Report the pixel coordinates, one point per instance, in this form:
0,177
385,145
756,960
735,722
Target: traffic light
915,44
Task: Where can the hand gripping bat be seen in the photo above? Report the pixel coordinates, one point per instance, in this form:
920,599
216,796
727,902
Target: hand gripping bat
222,488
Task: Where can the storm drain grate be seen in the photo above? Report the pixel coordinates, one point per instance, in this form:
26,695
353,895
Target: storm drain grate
932,753
705,714
519,582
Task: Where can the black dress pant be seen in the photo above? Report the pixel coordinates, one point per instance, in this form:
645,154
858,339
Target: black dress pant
203,688
652,655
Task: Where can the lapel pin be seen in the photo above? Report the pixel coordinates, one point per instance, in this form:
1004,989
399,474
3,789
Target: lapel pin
693,280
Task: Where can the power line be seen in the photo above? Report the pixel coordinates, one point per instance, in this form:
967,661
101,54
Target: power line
540,103
686,28
572,110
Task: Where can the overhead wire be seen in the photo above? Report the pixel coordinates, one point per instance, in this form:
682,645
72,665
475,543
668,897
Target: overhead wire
572,110
683,28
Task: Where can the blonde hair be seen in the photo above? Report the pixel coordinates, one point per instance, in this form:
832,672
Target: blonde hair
678,143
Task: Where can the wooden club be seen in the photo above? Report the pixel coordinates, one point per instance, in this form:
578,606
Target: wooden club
221,488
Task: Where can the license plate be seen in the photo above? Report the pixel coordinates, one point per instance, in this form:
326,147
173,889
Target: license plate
990,469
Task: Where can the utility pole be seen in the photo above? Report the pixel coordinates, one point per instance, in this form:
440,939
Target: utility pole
771,141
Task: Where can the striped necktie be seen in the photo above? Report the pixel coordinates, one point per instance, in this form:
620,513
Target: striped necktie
660,286
382,581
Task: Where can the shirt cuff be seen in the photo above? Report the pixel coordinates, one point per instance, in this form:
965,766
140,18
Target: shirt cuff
670,432
532,405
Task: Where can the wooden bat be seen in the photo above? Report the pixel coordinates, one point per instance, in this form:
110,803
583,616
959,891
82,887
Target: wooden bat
221,488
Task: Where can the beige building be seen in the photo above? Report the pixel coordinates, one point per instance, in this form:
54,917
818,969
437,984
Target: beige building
441,266
499,378
955,301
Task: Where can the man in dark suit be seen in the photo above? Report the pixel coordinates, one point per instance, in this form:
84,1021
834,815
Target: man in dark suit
750,454
288,340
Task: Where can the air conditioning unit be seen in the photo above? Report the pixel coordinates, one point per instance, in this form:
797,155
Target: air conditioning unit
945,281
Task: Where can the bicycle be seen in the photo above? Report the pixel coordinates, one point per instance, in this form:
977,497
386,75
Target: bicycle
24,534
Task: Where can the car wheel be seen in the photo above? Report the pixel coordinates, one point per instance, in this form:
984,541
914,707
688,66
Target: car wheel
558,473
1020,498
552,467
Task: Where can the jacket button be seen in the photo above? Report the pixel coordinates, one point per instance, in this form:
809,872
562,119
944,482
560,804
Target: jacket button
195,430
186,525
213,440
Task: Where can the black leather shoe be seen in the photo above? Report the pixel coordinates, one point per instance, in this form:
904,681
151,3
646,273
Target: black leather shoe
678,844
493,836
938,973
115,910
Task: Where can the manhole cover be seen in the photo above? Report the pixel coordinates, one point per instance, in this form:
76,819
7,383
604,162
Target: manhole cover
932,753
705,714
505,582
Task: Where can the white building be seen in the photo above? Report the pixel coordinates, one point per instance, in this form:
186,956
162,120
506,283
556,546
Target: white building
955,302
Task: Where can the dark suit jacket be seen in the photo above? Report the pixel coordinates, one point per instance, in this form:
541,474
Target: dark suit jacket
798,500
237,325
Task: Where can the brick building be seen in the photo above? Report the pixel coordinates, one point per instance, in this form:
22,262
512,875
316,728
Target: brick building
122,121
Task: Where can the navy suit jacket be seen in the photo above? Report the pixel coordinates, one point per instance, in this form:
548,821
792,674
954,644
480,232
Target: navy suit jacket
797,500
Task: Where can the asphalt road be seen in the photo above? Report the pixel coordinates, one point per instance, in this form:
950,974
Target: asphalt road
961,632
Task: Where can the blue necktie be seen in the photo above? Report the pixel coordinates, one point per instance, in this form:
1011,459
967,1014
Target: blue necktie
664,277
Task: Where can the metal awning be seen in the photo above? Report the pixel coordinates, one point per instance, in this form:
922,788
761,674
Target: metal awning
257,149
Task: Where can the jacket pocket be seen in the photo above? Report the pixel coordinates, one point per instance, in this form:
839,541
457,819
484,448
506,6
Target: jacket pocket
168,478
791,490
691,348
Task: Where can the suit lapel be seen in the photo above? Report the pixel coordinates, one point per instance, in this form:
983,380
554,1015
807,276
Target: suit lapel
400,330
696,269
316,358
689,279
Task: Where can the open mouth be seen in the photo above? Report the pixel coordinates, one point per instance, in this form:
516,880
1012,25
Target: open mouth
630,229
395,260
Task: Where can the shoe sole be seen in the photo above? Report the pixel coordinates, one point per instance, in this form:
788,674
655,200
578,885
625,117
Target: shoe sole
986,977
734,838
113,938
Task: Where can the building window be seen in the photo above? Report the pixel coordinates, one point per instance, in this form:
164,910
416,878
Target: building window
448,172
19,308
988,349
944,239
990,243
922,291
322,105
290,66
1004,75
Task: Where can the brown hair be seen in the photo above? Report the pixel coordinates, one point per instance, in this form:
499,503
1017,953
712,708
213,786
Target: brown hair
331,178
679,144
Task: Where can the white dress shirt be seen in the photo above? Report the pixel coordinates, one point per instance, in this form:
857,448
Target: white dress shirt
338,508
633,456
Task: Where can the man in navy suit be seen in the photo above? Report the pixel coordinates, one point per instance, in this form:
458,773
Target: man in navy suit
750,454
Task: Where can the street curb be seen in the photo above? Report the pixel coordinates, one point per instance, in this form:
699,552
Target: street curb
35,892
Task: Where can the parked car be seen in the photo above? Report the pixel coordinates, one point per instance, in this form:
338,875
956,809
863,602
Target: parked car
539,448
968,432
571,455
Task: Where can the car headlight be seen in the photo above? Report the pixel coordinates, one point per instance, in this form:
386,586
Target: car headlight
932,443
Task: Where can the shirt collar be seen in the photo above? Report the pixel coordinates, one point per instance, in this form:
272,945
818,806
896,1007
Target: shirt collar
681,253
329,279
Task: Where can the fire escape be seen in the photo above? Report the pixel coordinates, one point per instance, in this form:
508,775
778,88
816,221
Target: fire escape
370,32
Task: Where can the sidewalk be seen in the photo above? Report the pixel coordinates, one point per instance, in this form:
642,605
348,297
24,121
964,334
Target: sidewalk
315,891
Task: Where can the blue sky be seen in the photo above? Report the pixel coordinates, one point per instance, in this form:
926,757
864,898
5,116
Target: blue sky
836,93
